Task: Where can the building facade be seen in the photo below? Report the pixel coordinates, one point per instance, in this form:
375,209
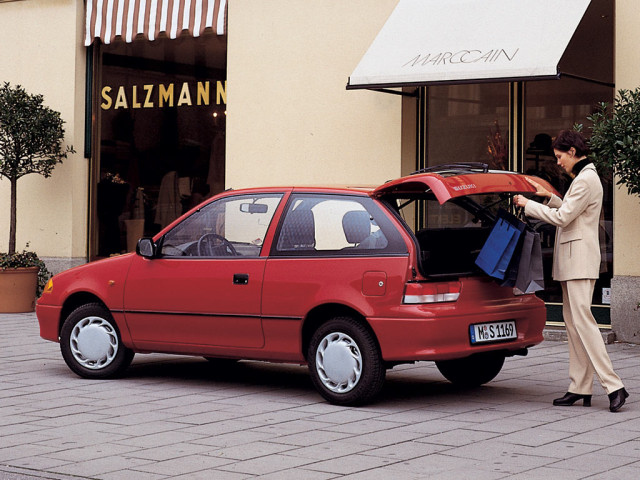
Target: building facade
209,95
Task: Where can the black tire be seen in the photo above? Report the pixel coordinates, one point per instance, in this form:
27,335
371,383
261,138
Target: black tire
345,362
472,371
91,344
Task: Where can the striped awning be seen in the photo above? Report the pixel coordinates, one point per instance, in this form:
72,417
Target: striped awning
127,19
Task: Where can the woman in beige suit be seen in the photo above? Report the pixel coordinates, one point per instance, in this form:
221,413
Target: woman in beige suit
576,265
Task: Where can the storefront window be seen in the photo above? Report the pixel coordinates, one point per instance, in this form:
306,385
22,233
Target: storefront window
469,123
161,120
553,105
550,107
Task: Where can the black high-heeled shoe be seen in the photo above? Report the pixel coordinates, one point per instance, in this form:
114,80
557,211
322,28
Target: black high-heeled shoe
617,399
571,398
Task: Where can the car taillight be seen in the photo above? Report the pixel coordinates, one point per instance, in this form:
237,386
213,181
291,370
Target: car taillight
432,292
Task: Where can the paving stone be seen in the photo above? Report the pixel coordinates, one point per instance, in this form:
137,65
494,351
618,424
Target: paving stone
181,465
349,464
98,466
264,465
595,463
404,450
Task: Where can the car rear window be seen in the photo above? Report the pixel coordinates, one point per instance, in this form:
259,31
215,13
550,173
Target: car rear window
425,212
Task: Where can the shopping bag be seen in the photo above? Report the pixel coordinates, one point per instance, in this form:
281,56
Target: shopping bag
530,277
499,248
511,275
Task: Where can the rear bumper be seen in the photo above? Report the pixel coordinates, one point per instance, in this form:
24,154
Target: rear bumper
49,320
445,337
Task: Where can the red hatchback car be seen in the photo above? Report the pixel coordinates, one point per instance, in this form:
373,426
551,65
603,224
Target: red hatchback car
350,281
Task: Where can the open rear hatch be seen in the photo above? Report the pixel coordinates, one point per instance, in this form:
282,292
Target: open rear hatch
450,209
446,182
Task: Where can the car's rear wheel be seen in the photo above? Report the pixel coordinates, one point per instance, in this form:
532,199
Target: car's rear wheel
345,362
472,371
91,344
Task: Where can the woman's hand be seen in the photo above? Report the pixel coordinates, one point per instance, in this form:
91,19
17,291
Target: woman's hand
540,190
520,200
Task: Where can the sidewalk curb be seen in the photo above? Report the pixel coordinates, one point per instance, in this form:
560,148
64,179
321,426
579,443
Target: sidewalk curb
559,334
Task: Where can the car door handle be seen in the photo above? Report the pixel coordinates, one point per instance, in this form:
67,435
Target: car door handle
240,278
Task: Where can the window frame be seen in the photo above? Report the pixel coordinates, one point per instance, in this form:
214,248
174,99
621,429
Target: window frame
225,199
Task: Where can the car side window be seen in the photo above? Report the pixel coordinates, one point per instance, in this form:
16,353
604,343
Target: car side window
336,225
229,227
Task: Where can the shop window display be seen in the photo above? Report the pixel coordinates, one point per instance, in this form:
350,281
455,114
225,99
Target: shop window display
550,107
465,123
161,118
553,105
469,123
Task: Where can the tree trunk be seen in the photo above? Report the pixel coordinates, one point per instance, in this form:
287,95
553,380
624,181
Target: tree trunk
12,224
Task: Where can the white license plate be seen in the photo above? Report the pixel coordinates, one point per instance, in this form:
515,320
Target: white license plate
493,332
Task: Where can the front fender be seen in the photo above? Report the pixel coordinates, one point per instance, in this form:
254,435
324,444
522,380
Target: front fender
101,281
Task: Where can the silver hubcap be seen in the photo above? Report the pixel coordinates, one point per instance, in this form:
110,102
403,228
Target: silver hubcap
339,362
94,343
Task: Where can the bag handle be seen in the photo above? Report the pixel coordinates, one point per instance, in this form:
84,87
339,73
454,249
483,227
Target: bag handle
520,215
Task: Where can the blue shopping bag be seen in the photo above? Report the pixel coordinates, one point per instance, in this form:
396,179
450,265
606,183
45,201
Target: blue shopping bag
501,245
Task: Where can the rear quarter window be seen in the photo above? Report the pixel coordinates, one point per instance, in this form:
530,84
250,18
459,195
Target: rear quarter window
336,225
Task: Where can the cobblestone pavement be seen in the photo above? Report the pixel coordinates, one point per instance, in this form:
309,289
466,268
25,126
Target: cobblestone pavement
179,418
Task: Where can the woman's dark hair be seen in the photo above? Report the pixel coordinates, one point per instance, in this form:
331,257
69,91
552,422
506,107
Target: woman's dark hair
570,138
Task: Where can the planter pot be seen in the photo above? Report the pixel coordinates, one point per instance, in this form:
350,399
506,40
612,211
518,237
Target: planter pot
18,289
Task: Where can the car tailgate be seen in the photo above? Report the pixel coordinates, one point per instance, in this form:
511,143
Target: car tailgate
447,187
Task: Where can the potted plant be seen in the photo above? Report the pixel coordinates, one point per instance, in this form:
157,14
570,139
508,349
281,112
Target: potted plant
31,141
615,138
615,149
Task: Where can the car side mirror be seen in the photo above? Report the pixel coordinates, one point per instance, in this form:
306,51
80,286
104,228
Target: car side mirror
146,248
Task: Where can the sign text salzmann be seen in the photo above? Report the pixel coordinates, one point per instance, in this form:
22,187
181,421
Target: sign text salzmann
171,95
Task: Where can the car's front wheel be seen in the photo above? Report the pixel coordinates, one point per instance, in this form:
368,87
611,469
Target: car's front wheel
345,362
472,371
91,345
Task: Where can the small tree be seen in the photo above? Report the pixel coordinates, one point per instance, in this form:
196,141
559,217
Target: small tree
615,138
31,137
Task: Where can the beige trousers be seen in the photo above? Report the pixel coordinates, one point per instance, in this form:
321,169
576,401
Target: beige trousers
587,351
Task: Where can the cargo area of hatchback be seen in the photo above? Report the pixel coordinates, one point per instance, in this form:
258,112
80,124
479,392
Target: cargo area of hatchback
451,235
450,251
451,210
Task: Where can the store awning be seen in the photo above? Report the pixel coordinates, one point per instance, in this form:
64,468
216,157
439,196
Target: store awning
127,19
453,41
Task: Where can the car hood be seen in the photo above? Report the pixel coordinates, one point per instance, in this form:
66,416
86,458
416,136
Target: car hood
445,188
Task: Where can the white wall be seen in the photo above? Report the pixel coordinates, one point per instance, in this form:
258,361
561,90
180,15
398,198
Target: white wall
290,119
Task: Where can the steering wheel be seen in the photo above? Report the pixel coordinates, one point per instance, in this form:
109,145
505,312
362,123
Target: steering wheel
214,245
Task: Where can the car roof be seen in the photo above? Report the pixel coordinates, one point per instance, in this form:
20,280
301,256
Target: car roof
444,181
348,189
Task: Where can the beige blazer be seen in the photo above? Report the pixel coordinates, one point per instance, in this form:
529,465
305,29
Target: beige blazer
577,249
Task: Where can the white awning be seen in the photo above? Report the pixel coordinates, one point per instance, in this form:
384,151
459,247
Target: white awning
449,41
